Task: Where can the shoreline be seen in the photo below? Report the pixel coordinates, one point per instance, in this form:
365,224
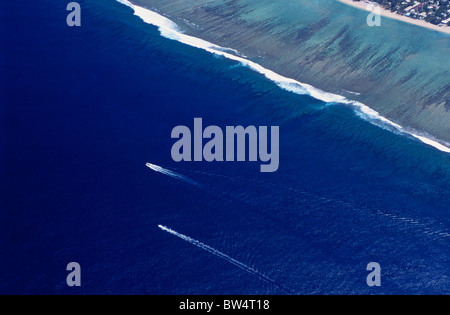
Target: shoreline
329,46
169,29
392,15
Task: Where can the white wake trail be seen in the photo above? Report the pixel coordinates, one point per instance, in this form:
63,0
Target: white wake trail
172,174
219,254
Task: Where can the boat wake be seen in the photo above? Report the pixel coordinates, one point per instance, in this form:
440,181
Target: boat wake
172,174
227,258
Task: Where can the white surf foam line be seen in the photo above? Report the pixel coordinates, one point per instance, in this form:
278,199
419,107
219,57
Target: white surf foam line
433,143
219,254
354,93
170,30
172,174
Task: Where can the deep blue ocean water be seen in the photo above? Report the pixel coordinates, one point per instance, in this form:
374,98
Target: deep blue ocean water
84,109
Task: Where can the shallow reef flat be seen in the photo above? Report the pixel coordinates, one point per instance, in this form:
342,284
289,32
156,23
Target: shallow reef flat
398,69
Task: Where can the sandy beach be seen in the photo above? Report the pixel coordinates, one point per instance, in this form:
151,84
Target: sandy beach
386,13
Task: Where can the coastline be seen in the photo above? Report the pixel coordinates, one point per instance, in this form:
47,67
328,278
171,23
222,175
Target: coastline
170,30
392,15
329,47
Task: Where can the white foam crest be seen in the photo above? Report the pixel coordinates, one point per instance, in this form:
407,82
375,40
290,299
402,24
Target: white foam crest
127,3
219,254
170,173
171,31
351,92
433,143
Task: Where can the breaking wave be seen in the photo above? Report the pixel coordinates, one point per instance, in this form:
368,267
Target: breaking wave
170,30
